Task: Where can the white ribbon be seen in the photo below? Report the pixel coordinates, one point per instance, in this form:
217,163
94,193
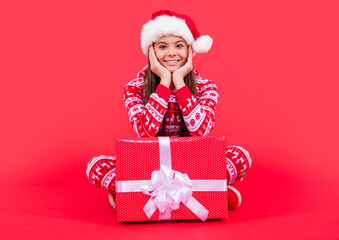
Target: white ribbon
168,188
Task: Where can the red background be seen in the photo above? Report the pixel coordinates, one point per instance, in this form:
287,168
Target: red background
63,68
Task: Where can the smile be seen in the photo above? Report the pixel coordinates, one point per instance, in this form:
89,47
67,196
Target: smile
171,62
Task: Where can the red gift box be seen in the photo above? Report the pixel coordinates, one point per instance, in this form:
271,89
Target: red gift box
171,178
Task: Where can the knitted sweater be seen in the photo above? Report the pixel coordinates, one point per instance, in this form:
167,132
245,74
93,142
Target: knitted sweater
161,115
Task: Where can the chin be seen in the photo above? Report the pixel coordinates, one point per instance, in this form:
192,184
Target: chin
172,69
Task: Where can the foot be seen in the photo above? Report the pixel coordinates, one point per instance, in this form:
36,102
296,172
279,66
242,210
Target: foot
111,199
234,198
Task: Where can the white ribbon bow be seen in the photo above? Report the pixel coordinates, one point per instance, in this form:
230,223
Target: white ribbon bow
167,189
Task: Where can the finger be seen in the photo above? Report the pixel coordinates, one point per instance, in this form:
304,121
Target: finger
150,54
155,64
155,59
190,56
152,57
150,51
188,63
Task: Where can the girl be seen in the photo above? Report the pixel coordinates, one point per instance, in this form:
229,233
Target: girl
170,98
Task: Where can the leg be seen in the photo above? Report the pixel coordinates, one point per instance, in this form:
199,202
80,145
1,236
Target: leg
238,163
101,172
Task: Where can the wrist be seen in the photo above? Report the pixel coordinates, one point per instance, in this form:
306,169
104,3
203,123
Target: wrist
166,81
177,78
178,82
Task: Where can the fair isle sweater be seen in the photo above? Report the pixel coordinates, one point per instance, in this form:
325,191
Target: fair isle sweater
161,115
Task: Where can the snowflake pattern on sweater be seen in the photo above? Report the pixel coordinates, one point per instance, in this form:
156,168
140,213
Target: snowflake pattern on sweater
161,115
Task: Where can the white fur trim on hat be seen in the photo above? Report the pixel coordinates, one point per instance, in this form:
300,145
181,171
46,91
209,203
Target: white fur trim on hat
166,25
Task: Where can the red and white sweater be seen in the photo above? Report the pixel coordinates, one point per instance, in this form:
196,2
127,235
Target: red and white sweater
167,104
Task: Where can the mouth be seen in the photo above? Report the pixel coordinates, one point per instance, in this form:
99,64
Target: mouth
172,62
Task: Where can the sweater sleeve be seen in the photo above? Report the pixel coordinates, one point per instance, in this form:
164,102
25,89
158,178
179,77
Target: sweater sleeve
146,119
199,113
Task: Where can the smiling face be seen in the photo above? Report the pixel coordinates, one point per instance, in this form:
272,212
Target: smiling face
171,52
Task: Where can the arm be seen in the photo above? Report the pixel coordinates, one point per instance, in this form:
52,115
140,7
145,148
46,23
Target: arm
146,119
199,115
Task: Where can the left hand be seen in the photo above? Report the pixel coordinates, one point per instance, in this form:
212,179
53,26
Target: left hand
179,74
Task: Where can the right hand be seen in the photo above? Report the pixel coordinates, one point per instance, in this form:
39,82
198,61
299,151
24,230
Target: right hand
158,69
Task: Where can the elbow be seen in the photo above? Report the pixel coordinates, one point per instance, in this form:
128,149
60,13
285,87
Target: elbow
142,131
209,126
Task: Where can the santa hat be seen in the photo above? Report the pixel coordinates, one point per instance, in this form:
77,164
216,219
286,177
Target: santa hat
166,22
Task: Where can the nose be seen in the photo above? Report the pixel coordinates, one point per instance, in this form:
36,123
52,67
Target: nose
172,51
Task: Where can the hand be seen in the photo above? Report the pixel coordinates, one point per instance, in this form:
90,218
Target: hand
179,74
158,69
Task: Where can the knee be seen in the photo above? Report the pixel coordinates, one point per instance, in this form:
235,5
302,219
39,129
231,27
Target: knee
239,156
89,169
238,163
99,169
90,165
247,158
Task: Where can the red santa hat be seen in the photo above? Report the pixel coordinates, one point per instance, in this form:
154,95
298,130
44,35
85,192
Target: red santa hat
166,22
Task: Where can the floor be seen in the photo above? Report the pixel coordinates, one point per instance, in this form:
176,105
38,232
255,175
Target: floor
65,206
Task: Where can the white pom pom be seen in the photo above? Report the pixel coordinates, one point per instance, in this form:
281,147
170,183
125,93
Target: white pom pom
203,44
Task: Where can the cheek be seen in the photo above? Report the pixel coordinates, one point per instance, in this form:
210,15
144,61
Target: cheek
184,54
159,54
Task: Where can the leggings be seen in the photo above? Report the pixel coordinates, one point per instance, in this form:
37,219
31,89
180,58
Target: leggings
101,169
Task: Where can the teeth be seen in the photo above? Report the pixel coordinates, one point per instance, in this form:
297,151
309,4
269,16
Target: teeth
172,61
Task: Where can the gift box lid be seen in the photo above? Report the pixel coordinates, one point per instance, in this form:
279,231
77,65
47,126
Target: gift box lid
199,157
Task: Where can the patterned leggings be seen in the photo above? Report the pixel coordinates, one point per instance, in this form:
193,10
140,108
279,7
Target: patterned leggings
101,169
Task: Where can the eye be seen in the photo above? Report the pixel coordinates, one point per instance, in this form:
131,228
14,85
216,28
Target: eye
162,47
180,46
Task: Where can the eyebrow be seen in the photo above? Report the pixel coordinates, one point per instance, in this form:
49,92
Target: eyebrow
174,43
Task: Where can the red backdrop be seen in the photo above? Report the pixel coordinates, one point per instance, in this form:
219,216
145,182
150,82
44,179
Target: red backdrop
63,68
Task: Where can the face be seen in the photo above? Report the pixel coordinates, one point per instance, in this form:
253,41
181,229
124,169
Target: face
171,52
